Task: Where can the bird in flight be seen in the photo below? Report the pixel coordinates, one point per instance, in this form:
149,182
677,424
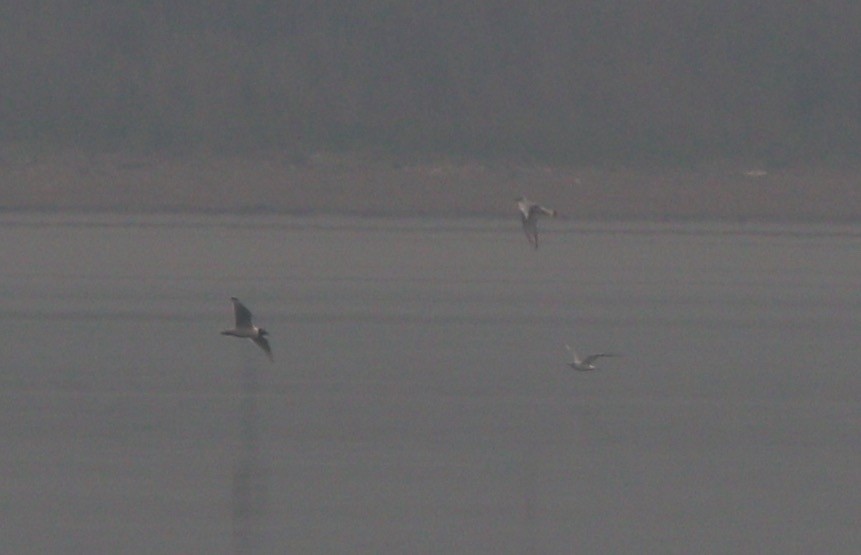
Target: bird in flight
587,363
529,214
245,329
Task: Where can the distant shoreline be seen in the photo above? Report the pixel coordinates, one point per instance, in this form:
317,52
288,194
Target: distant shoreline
335,184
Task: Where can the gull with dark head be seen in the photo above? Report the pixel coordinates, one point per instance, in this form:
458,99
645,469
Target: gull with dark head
246,329
586,364
529,214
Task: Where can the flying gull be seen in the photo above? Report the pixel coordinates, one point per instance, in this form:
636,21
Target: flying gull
529,213
244,328
587,363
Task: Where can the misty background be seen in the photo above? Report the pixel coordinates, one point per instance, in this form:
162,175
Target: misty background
658,86
419,399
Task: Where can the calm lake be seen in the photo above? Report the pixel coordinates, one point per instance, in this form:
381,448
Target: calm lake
419,401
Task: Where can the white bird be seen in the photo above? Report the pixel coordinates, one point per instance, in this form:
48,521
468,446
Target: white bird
529,213
245,329
587,363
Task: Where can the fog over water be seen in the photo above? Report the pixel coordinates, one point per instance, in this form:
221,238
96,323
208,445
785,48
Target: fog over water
419,400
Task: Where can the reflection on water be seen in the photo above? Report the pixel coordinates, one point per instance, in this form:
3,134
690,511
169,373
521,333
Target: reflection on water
249,480
422,403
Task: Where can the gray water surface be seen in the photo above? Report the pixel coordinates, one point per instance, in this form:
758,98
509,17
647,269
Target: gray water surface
419,401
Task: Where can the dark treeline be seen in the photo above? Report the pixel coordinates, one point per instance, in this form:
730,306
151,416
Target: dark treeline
572,80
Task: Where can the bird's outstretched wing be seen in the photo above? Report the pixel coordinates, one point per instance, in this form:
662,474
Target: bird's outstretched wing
523,206
530,228
571,350
592,358
263,343
537,209
243,315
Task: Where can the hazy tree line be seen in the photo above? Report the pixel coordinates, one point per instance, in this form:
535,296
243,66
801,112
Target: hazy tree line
575,80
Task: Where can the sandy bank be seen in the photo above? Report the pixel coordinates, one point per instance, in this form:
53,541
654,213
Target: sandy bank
332,183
